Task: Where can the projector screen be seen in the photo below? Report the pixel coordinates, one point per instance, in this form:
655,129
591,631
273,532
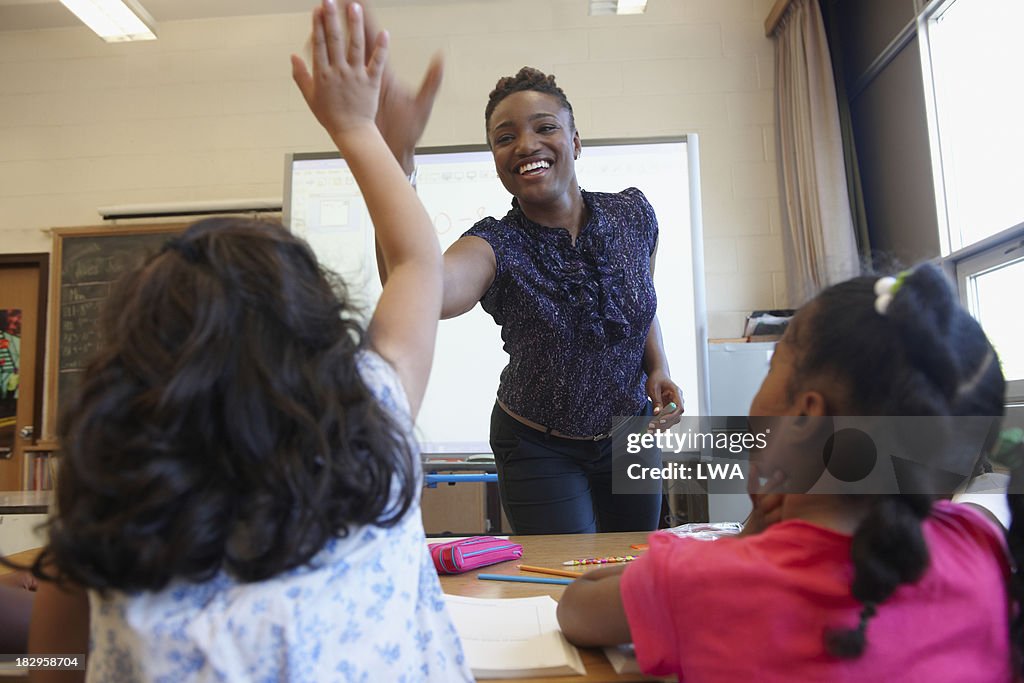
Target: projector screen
459,186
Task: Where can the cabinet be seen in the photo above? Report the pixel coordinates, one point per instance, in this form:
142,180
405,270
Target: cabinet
735,372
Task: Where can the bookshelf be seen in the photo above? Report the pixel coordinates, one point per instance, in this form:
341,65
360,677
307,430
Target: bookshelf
39,467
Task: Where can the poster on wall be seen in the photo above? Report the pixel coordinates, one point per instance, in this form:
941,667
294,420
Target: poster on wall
10,361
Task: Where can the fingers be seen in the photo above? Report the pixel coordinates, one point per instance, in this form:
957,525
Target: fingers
330,22
379,59
774,483
302,77
431,83
753,480
356,52
320,56
771,486
370,30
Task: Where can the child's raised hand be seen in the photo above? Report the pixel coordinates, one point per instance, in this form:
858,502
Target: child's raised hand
343,89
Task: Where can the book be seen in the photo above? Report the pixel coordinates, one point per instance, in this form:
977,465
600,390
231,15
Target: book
513,637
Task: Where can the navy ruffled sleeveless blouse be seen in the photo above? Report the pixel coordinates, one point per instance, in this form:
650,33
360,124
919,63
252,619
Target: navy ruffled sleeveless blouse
574,318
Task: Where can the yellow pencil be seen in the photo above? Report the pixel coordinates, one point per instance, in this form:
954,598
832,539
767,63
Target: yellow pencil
545,570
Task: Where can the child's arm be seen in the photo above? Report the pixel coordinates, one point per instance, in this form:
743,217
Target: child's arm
342,93
15,611
590,611
60,625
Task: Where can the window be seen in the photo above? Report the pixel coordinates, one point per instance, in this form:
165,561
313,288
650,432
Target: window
977,128
990,284
972,57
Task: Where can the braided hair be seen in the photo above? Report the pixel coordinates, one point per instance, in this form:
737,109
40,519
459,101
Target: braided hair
526,78
923,356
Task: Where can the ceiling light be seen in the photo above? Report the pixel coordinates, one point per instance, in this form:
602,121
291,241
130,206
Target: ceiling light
599,7
631,7
114,21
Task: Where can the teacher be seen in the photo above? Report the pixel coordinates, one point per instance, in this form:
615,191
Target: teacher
568,275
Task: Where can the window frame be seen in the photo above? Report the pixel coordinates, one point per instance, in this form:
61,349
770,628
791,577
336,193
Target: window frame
986,255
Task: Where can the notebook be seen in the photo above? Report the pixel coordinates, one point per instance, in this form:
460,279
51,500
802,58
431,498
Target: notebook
513,638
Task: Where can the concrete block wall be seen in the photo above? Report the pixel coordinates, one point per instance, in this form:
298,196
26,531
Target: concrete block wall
208,111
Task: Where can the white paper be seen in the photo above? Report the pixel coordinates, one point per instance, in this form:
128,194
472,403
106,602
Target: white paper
622,659
513,638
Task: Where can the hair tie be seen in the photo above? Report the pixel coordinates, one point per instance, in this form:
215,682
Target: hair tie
886,288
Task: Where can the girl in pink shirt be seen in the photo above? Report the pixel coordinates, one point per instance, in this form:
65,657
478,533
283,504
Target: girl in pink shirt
829,586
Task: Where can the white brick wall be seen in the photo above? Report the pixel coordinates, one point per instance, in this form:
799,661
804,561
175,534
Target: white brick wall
208,111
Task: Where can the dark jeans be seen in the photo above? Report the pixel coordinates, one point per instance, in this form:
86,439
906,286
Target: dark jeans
553,485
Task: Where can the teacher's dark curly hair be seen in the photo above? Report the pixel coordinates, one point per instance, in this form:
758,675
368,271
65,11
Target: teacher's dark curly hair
223,424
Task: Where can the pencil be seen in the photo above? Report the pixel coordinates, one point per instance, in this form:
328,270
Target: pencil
545,570
600,560
523,579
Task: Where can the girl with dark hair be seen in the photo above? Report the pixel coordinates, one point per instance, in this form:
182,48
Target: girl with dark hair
568,275
830,587
239,492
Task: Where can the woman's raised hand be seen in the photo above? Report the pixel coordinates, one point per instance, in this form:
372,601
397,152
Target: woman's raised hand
344,87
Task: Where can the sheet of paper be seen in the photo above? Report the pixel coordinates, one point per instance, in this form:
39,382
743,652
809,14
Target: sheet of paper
513,637
622,659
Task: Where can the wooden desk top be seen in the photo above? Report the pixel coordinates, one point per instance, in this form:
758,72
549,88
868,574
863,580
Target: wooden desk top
551,551
544,551
23,558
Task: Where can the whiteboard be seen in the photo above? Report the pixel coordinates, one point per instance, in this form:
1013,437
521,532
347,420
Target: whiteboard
459,186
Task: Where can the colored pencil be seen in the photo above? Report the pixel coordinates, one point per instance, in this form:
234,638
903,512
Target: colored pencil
545,570
600,560
523,579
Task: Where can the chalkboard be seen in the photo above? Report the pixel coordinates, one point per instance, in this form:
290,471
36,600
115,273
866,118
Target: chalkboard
87,262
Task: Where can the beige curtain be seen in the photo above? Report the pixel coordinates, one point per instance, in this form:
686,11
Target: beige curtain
821,248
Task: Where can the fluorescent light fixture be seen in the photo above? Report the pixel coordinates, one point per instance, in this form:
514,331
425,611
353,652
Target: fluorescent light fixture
114,21
601,7
631,7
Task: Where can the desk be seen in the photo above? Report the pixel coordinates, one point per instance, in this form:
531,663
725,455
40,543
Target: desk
551,551
24,558
544,551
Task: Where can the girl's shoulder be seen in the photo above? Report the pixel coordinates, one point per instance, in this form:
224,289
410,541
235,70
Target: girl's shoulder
962,524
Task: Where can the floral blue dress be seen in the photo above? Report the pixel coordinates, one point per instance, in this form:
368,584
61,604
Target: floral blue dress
368,608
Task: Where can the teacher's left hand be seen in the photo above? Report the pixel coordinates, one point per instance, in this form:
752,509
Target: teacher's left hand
664,391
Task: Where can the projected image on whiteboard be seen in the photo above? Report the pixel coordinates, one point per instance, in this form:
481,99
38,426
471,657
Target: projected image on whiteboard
459,188
327,211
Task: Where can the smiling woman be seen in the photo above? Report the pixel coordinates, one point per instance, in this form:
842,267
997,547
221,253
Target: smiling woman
568,275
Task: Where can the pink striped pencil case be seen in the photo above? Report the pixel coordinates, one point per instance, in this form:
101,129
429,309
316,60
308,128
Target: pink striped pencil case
468,554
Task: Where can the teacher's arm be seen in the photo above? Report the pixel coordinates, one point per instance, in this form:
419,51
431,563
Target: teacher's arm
590,612
402,114
469,269
660,387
